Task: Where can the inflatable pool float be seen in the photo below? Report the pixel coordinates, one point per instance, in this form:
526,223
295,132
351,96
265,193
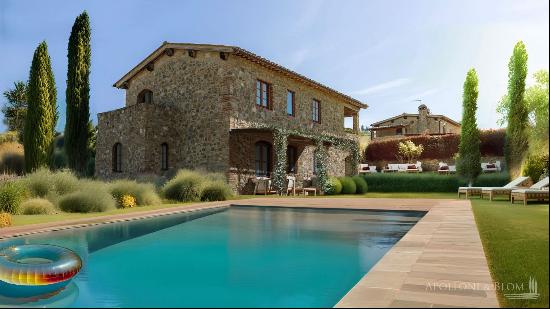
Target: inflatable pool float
36,269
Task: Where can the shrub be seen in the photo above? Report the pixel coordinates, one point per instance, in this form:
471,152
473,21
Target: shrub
334,185
127,201
186,186
216,191
39,183
37,206
44,182
409,151
534,166
348,185
5,219
63,182
361,184
144,194
428,182
93,197
11,195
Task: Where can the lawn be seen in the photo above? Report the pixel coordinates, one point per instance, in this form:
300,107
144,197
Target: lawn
515,239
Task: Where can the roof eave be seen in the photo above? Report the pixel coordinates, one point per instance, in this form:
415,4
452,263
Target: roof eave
239,52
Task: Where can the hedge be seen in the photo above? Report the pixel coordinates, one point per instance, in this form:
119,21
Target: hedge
428,182
436,146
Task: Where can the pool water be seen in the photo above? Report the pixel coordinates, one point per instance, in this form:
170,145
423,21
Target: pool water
240,257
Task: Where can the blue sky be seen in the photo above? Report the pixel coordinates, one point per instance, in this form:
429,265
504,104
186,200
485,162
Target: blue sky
385,53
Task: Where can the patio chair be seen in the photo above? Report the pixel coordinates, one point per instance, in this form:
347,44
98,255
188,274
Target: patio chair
308,186
364,168
537,192
505,190
414,168
391,168
477,191
444,168
263,186
291,185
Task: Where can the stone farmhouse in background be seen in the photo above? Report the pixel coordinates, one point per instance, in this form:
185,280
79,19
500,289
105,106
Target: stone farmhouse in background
210,107
414,124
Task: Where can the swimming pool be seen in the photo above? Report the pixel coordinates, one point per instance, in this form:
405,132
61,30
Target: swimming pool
239,257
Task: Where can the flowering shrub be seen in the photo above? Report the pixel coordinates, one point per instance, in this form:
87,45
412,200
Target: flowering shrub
127,201
409,151
5,219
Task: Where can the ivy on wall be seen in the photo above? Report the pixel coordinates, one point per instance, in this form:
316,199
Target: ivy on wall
280,143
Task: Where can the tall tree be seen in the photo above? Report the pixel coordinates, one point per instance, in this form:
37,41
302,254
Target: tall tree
78,95
15,108
517,135
536,99
469,159
42,111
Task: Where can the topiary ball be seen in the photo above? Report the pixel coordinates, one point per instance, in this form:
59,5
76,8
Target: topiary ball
348,185
335,187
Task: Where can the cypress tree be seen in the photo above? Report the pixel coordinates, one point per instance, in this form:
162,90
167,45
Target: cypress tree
517,136
41,115
469,161
78,94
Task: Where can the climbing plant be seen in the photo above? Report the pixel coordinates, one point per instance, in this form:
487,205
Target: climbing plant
280,142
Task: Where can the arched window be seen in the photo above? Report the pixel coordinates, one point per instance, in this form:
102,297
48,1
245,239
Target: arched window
291,157
145,96
164,156
263,159
117,158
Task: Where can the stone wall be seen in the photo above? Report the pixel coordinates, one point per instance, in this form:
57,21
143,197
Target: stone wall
242,159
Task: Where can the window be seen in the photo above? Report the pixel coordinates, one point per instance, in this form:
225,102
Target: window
164,156
291,159
399,131
117,158
145,96
263,94
263,159
290,103
316,111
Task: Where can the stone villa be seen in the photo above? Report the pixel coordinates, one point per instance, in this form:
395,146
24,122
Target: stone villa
414,124
215,107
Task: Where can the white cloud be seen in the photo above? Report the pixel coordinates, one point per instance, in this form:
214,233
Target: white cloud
383,86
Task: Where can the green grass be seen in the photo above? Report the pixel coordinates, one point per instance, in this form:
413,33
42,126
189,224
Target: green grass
515,239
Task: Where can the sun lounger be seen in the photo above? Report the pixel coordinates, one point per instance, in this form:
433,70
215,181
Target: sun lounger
444,168
504,190
477,191
365,169
490,167
537,192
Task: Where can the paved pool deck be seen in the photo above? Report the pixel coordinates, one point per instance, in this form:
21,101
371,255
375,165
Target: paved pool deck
439,263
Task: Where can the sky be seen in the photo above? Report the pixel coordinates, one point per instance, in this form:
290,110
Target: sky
387,53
